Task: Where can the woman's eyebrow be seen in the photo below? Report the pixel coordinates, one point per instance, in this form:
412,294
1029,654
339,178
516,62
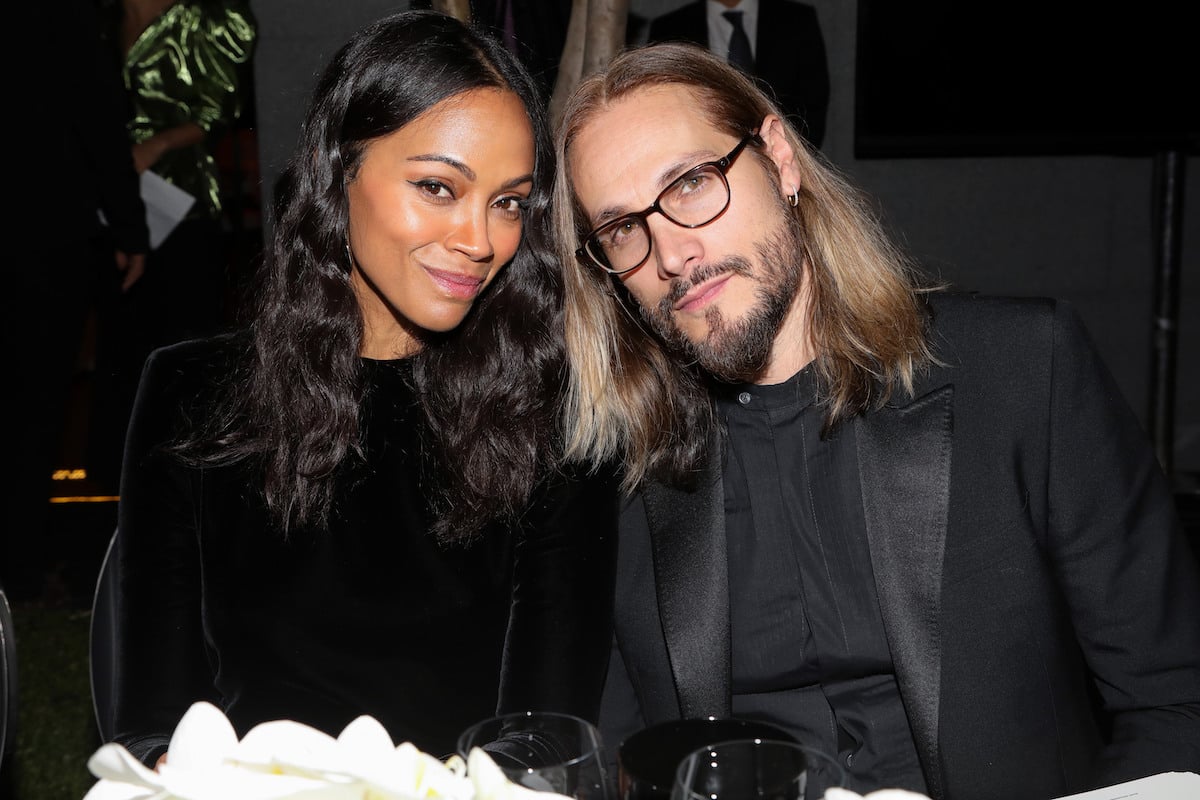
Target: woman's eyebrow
515,182
467,172
447,160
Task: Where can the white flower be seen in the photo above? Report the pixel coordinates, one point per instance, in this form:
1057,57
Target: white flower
881,794
284,760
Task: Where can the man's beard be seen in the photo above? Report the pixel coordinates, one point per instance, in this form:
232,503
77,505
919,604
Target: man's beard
738,351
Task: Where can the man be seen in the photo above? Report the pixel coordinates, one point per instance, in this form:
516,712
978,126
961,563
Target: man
787,50
917,529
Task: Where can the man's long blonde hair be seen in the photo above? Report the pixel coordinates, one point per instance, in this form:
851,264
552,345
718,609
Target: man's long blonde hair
627,396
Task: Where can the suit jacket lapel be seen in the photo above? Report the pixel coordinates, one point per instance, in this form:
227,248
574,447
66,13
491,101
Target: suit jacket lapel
688,539
904,467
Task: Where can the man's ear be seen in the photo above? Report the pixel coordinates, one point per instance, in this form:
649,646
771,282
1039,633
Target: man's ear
773,132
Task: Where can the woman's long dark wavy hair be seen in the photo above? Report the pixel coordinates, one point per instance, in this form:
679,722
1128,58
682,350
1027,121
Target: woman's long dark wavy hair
488,388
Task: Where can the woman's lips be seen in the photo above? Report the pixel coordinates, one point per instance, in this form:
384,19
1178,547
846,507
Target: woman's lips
456,284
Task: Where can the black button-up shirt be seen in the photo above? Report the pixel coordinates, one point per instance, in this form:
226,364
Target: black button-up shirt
810,652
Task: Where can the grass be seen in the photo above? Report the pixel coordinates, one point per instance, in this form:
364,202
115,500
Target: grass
56,731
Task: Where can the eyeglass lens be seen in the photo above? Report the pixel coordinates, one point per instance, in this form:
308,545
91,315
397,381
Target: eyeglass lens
695,198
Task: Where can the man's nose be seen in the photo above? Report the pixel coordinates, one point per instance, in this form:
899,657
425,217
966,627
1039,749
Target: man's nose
673,248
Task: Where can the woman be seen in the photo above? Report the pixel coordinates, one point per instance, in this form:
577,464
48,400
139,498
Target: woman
186,68
352,507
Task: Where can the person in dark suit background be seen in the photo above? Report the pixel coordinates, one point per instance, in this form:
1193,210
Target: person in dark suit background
79,220
785,41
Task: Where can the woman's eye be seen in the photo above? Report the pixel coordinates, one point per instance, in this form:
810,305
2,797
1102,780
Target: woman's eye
511,206
434,188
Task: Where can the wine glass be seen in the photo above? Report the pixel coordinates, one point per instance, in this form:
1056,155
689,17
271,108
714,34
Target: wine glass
646,760
544,751
756,769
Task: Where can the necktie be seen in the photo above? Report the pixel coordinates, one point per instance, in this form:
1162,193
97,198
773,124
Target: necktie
739,44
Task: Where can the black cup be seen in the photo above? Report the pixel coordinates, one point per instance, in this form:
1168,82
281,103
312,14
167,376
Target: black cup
646,760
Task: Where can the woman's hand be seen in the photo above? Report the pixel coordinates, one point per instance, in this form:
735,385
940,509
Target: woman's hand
132,265
146,154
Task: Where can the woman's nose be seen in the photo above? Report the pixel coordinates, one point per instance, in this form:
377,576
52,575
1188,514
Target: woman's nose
470,235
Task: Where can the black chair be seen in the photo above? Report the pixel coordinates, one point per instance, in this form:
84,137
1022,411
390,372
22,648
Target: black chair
102,639
8,679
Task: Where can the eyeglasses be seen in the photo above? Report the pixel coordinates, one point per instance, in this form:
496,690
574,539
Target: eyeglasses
694,199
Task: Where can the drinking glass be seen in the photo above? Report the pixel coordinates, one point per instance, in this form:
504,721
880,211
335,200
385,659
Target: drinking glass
756,769
646,760
544,751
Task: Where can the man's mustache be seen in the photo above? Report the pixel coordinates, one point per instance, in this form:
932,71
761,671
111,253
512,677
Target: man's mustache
679,287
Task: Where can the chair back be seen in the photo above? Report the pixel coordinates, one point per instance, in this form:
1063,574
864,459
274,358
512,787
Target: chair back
102,639
8,679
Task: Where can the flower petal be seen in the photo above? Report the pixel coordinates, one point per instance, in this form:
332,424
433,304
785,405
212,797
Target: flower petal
203,739
836,793
292,748
492,784
366,735
409,773
110,790
113,762
232,782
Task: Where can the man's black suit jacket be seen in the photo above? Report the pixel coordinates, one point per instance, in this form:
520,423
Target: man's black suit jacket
1022,539
789,56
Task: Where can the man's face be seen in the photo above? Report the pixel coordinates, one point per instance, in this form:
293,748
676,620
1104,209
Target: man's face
719,293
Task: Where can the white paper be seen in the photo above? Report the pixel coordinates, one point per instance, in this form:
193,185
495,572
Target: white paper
166,205
1164,786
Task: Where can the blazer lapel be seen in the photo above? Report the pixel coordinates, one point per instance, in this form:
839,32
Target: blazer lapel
688,539
904,468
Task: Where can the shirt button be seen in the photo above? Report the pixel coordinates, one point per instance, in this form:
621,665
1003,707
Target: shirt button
849,759
744,398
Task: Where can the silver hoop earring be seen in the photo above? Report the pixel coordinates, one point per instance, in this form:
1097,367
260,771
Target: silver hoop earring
794,198
349,255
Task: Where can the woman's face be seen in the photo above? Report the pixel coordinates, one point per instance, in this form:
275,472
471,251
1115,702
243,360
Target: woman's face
435,213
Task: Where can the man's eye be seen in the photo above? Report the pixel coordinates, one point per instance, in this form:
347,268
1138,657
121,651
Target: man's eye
622,232
692,183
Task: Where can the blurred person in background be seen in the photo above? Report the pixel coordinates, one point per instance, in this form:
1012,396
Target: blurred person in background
786,50
186,69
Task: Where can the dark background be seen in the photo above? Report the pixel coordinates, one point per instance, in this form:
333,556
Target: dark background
945,78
